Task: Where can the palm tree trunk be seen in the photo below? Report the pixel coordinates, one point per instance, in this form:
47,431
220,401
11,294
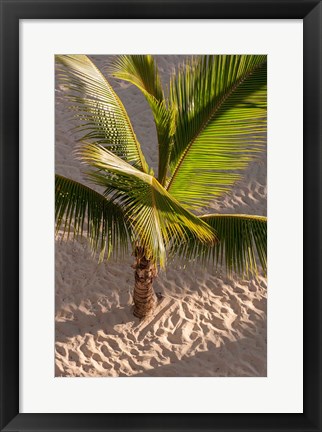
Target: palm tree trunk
144,297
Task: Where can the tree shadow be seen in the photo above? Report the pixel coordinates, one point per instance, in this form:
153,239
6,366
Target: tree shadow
105,341
240,358
81,323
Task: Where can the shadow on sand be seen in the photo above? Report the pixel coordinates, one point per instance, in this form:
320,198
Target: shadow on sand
106,341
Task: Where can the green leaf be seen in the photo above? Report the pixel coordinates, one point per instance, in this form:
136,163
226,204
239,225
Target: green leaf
101,115
242,243
82,211
155,216
221,124
141,70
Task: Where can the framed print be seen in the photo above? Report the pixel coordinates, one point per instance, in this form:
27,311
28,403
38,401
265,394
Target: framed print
129,104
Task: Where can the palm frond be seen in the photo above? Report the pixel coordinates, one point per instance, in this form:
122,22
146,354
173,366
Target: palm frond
165,118
139,70
101,115
157,218
242,243
80,211
221,124
142,71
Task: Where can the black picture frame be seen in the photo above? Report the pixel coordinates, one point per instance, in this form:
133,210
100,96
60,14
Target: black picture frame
11,12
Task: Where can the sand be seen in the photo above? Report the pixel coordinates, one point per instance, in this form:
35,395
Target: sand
206,324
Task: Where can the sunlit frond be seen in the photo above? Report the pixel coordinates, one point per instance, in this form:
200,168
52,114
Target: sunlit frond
141,70
80,211
101,115
221,124
157,218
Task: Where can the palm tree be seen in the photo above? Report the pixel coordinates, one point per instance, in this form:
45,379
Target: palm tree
210,125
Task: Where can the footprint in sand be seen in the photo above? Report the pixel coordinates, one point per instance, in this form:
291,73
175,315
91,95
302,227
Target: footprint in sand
61,351
97,358
105,351
73,357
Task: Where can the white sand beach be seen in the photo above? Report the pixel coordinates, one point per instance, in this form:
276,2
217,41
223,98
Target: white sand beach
205,324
